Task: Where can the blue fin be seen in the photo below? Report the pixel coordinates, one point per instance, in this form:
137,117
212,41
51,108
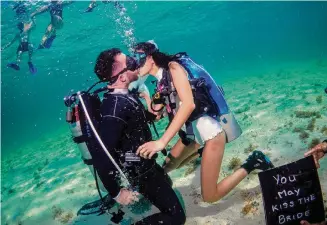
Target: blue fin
32,68
49,41
14,66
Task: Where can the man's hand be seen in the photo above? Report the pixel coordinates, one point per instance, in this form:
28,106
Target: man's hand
304,222
127,197
317,152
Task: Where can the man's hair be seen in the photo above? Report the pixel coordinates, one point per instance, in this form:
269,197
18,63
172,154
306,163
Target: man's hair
104,62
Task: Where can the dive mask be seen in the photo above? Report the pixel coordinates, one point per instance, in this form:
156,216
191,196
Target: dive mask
140,58
131,64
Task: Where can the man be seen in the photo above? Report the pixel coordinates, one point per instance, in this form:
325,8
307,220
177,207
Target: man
318,152
123,129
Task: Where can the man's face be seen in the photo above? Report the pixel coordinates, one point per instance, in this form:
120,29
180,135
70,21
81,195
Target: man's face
119,65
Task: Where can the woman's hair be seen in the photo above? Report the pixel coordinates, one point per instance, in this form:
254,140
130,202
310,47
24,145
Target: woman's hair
160,59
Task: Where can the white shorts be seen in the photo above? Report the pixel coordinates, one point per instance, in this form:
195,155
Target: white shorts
205,128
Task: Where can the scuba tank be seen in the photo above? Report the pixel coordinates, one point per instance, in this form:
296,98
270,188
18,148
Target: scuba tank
81,131
208,97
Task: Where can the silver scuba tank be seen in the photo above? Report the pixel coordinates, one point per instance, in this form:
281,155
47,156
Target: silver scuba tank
75,128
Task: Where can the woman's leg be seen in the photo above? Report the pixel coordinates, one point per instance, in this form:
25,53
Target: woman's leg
189,159
50,29
179,154
210,168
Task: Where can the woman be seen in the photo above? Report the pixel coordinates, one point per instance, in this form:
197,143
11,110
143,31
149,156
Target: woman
207,130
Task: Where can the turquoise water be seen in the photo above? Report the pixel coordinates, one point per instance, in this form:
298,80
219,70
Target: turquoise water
239,43
223,36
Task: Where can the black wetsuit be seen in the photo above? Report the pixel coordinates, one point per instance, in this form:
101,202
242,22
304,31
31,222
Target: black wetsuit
123,129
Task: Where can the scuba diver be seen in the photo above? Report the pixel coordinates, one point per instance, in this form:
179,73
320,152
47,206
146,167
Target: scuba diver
93,4
24,45
123,127
56,9
191,97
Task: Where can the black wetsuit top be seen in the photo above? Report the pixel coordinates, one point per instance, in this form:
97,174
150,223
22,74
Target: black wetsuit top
123,129
56,9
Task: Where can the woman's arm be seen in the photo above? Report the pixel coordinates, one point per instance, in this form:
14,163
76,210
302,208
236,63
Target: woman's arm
40,10
185,95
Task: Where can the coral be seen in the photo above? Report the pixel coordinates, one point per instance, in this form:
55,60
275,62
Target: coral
36,176
192,167
319,99
298,130
56,212
314,142
303,96
242,110
311,125
250,195
11,191
261,101
246,209
70,191
304,135
234,163
66,218
250,149
324,130
39,184
307,114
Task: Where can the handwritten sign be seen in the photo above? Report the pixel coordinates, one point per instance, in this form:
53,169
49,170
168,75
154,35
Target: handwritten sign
292,193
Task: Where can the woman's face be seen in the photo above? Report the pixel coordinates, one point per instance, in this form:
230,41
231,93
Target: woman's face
146,62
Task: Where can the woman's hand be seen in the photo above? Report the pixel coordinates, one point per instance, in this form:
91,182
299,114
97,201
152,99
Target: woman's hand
317,152
148,149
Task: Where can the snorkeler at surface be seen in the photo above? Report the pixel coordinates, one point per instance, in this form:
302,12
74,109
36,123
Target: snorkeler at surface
24,46
56,12
93,4
123,128
21,10
174,86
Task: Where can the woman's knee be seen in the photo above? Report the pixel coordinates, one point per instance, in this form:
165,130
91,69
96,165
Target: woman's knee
209,198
